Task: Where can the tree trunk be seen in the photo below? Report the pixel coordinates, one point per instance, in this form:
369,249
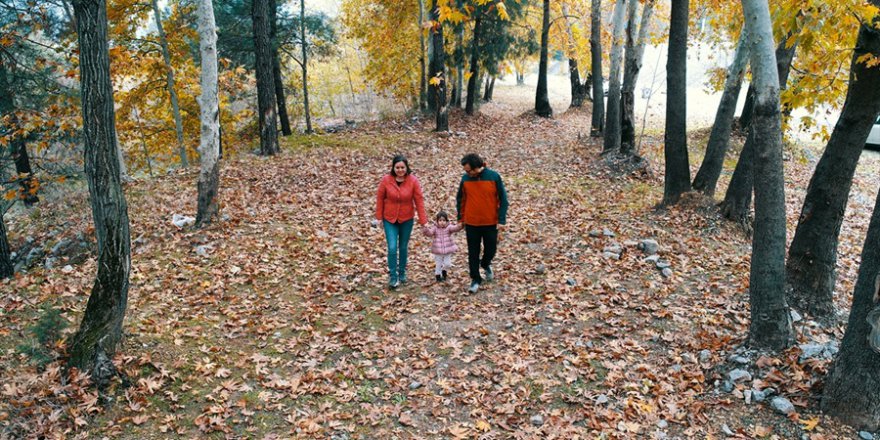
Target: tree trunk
175,106
707,177
459,62
6,267
852,388
635,49
784,59
598,119
475,67
280,100
812,257
520,78
209,104
490,87
578,90
305,65
423,84
93,345
438,70
542,99
770,326
612,117
265,78
678,173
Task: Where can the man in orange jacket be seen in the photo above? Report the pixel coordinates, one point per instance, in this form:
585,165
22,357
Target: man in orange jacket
482,208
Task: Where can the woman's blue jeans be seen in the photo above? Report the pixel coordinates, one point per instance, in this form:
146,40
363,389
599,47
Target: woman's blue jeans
397,237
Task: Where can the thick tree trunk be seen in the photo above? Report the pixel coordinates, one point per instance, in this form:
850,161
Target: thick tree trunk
265,79
784,59
475,67
542,99
770,326
852,388
93,345
175,105
424,102
438,70
707,177
280,100
597,127
209,104
490,87
459,61
611,142
6,267
678,173
635,49
812,256
578,90
305,66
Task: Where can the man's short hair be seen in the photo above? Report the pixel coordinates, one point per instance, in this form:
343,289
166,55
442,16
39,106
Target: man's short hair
473,160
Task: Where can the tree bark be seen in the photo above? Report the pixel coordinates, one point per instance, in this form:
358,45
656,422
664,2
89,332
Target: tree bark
597,125
305,66
578,90
265,79
175,103
770,326
459,61
542,99
490,87
438,70
209,104
812,256
852,389
280,100
17,145
92,346
784,59
424,103
716,149
475,67
678,173
6,267
635,49
611,142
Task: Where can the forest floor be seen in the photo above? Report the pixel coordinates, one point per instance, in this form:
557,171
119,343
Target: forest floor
276,322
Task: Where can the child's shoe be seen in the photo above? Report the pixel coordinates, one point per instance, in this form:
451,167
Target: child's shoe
443,276
439,278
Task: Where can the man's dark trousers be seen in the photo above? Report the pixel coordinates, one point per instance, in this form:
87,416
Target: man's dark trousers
488,236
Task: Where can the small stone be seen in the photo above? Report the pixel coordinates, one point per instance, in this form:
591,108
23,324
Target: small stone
747,395
50,263
653,258
203,250
758,396
570,282
666,272
595,233
782,405
182,221
611,255
60,246
649,246
795,316
601,399
705,355
537,420
739,359
613,248
67,269
13,256
414,385
662,424
608,232
865,435
662,264
540,269
739,375
225,217
630,243
726,429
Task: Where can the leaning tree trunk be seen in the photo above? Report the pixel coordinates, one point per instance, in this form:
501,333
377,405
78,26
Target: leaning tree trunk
175,106
852,388
438,70
17,145
738,198
280,100
459,65
93,345
770,326
542,99
707,177
209,104
597,124
579,91
635,48
265,78
784,58
305,65
472,89
6,267
812,257
678,173
612,117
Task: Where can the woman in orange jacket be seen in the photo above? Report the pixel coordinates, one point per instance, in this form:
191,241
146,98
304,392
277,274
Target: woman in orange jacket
398,199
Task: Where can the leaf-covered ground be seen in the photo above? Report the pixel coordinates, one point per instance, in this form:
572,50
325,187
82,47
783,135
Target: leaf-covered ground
276,323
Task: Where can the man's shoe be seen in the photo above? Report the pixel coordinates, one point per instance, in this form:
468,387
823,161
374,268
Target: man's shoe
475,286
393,285
489,274
443,275
439,278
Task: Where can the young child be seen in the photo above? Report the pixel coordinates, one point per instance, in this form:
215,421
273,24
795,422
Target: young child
442,246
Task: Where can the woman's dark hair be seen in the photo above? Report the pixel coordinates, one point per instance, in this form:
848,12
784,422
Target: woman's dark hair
443,215
473,160
400,158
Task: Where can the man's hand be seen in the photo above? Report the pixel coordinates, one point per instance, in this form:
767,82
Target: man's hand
502,227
